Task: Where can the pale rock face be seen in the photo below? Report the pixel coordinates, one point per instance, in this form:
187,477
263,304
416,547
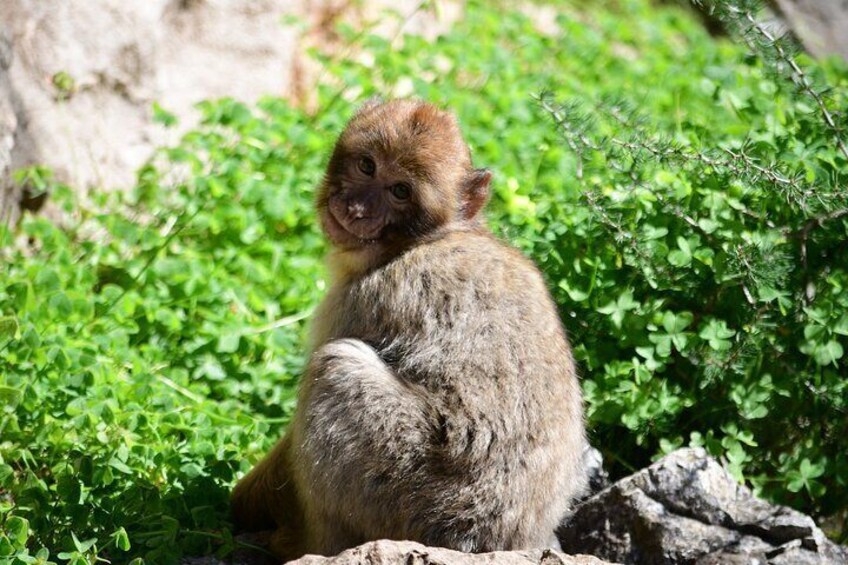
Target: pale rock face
10,131
123,56
386,552
820,24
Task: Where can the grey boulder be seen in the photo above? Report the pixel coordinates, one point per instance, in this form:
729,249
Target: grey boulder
686,508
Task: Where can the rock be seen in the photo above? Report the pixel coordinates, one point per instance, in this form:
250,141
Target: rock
9,130
117,58
686,508
385,552
78,79
820,24
598,477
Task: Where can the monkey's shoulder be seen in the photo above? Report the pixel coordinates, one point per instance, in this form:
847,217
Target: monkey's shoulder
468,280
475,258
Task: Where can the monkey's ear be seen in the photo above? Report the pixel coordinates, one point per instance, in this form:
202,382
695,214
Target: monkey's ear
476,192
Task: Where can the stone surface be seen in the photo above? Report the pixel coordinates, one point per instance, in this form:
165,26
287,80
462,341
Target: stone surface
821,25
686,508
386,552
117,58
10,132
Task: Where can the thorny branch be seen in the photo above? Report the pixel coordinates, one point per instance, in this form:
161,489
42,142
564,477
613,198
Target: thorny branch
799,77
804,233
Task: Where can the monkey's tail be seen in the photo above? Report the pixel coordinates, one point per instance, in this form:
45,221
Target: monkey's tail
265,497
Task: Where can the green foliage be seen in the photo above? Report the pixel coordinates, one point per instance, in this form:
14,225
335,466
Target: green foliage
152,345
692,233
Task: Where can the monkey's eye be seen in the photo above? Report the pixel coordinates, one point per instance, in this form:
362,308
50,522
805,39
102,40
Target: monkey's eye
367,166
400,190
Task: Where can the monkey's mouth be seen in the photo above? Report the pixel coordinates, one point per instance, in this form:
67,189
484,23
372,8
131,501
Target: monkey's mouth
356,233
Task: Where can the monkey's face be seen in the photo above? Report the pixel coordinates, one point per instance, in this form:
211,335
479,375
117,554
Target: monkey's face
367,199
397,173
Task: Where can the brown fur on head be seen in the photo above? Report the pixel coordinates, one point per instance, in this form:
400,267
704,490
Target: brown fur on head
400,171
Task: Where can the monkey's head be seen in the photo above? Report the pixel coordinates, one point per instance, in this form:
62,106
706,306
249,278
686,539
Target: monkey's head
400,171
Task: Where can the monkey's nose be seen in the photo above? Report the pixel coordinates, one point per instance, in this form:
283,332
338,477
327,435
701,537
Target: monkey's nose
356,210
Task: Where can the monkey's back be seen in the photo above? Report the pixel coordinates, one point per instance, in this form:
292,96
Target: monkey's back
468,323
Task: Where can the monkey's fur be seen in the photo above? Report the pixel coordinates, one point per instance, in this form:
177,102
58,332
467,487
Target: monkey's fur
440,403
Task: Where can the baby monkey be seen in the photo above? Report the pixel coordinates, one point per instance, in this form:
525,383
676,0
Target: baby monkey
441,403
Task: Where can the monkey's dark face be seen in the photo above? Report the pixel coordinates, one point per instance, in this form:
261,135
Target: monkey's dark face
399,171
369,200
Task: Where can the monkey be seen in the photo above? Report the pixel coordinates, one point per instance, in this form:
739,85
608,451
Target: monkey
441,402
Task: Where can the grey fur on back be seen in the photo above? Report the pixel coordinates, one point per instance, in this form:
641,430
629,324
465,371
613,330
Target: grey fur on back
441,404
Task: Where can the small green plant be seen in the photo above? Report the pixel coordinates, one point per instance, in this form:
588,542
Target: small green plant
151,345
64,84
15,537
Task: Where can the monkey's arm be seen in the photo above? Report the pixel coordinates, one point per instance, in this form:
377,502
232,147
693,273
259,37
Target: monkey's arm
352,396
362,435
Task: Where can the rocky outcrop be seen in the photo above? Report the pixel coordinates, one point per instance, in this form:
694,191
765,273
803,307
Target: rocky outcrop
684,509
78,79
821,25
687,508
10,133
386,552
87,73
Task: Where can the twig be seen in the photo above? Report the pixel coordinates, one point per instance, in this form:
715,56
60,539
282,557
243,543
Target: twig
282,322
804,233
799,77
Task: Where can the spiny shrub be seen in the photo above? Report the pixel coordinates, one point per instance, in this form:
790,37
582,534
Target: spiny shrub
705,264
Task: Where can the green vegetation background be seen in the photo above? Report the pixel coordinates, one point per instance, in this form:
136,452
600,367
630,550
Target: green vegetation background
681,195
